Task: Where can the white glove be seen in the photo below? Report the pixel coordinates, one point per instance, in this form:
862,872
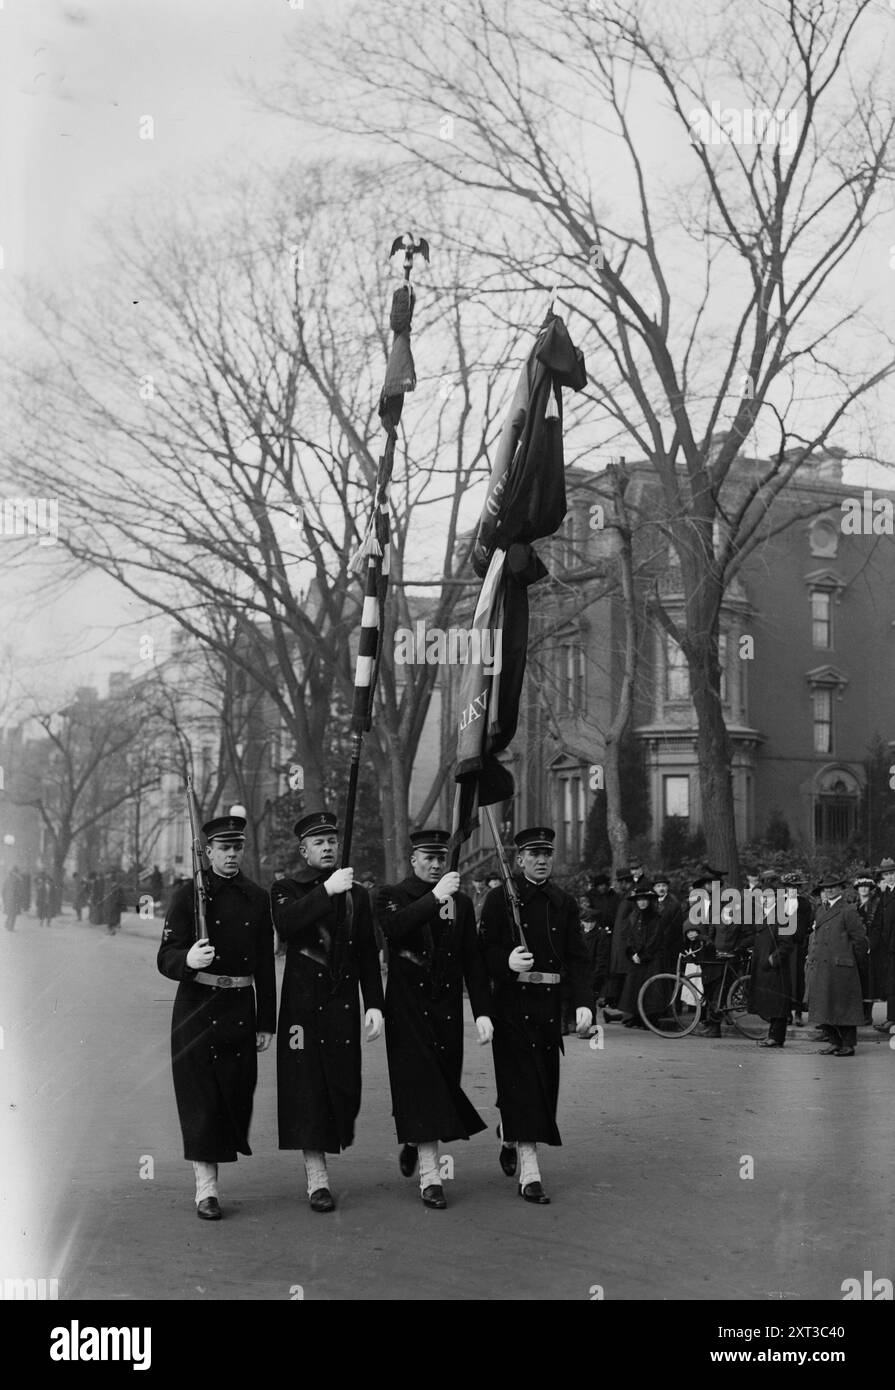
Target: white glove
339,882
200,954
520,959
447,885
635,958
373,1021
262,1041
583,1020
485,1028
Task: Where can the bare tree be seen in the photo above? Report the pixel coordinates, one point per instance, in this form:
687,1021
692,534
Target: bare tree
214,450
719,307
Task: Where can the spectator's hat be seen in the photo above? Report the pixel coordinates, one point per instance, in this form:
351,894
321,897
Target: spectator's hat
535,837
430,841
769,878
864,879
644,892
662,877
886,866
226,830
316,823
830,882
599,880
794,879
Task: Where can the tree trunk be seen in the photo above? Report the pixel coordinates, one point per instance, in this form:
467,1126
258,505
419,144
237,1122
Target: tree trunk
713,752
616,829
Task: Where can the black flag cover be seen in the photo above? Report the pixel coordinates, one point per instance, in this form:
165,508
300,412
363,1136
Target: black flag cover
526,499
527,492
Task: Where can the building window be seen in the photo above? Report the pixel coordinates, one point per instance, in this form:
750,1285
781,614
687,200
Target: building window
571,678
821,619
676,796
835,816
823,720
574,815
677,672
568,548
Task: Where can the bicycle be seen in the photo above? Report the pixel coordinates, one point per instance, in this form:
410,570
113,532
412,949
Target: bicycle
671,1005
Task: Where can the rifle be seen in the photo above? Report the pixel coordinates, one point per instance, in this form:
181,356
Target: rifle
200,887
509,887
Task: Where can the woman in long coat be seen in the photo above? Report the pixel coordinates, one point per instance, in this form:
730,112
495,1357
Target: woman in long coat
644,933
832,974
869,908
771,981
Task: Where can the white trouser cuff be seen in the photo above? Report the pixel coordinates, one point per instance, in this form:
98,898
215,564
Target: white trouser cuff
528,1164
206,1181
428,1161
315,1168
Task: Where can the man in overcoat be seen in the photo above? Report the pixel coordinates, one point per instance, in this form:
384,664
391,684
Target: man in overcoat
770,985
224,1010
430,929
643,947
832,973
886,879
326,922
527,1004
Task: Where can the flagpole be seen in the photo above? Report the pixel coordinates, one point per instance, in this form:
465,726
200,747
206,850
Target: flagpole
400,377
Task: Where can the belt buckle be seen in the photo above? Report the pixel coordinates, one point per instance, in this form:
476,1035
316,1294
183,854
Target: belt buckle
225,980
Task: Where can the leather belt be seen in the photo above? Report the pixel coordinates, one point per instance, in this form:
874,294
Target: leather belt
311,954
417,959
202,977
539,977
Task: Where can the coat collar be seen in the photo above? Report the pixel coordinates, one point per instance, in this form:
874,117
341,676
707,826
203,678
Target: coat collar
309,875
528,890
415,887
218,883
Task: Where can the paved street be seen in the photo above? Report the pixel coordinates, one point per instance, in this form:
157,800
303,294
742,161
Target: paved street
648,1201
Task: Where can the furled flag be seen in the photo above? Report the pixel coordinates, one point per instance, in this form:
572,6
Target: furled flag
526,500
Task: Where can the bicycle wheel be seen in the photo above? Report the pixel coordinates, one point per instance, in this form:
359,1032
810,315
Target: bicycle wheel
669,1005
738,1010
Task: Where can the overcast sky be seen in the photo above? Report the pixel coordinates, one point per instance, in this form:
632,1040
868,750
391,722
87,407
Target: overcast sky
76,82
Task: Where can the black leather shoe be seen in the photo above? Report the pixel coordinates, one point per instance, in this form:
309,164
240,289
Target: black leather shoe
321,1200
208,1209
434,1197
770,1042
827,1051
407,1160
844,1052
534,1192
710,1030
508,1160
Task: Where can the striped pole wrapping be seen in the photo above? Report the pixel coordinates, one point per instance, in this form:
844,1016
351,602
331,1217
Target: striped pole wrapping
367,649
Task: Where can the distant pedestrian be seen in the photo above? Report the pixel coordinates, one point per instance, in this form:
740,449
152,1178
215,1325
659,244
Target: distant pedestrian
156,884
97,893
44,900
770,986
115,905
82,895
12,891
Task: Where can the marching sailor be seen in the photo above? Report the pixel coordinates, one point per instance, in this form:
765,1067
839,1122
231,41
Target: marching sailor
224,1010
527,1004
431,932
326,922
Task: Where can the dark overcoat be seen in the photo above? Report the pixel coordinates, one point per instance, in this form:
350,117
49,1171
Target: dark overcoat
527,1017
432,949
213,1030
671,918
643,938
873,970
832,975
887,897
771,985
330,949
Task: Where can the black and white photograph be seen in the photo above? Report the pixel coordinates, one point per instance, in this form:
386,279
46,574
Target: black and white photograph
447,667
